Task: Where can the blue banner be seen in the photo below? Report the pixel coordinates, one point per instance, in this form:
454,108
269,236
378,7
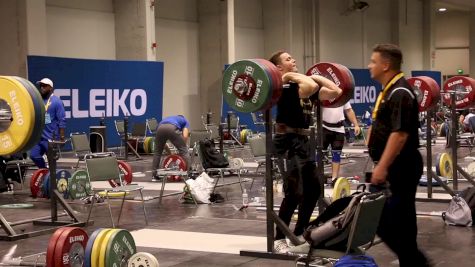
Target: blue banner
436,75
91,89
366,91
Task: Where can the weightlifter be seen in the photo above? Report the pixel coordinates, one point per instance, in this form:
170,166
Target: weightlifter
393,143
294,115
334,133
177,130
55,122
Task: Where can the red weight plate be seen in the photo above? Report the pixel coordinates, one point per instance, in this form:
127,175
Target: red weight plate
175,162
36,182
429,91
126,171
276,78
462,84
70,247
52,245
341,76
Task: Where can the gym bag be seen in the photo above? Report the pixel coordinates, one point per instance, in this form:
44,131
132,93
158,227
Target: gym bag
210,157
458,213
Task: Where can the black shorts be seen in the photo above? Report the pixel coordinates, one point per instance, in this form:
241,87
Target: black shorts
335,139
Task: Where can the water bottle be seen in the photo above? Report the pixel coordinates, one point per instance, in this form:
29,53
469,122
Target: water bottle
245,199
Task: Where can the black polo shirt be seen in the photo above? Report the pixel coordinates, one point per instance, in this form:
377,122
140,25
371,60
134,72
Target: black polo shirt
292,110
399,111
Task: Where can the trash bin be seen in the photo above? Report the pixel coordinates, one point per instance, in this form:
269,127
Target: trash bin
97,139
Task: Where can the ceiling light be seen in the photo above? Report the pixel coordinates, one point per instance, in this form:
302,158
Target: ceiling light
442,9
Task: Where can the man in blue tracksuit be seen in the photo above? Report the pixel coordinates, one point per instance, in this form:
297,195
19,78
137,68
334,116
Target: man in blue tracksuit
55,122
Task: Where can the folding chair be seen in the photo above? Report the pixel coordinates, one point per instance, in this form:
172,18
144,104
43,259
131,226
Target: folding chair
20,166
195,137
219,170
104,167
361,234
120,128
81,146
234,127
151,125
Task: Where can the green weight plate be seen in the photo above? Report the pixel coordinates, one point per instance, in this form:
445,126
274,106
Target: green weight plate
39,108
17,206
79,185
246,86
120,248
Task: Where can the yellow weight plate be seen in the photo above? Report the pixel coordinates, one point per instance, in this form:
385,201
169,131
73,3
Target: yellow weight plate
341,189
113,194
103,247
97,246
14,138
445,165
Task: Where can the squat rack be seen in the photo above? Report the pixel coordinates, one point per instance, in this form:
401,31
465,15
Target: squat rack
456,168
272,218
55,198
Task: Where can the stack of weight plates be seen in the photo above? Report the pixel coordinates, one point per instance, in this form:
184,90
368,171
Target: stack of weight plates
251,85
22,112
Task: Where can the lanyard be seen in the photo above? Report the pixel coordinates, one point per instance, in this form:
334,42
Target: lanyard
383,93
48,103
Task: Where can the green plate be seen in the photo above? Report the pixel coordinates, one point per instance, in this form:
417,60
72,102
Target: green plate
246,86
79,185
17,206
120,248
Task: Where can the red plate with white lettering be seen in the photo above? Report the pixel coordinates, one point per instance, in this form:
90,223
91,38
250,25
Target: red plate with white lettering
341,76
70,247
52,245
427,91
36,182
465,86
174,162
126,171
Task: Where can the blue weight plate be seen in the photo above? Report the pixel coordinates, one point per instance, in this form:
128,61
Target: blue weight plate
39,108
88,250
45,187
62,178
423,181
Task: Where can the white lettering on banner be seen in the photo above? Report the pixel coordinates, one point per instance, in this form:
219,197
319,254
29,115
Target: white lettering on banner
119,101
95,102
133,101
109,100
77,113
364,94
112,102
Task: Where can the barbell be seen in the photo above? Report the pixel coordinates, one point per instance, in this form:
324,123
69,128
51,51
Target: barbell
256,84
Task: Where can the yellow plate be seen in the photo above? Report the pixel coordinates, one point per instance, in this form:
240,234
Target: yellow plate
103,247
341,189
17,135
95,254
296,217
445,166
113,194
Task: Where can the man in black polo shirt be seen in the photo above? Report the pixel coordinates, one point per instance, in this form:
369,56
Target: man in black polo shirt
294,115
393,145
